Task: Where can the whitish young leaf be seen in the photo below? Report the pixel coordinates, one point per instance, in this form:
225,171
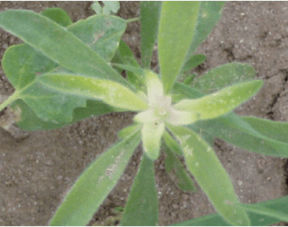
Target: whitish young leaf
95,183
151,138
177,26
219,103
142,205
208,171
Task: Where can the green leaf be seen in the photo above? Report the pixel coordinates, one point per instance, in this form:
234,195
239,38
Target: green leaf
30,121
219,103
108,8
177,172
95,183
58,15
127,130
101,33
172,144
193,62
266,211
277,205
142,205
276,130
56,43
125,56
223,76
208,16
21,64
151,138
208,171
149,18
235,130
177,25
54,95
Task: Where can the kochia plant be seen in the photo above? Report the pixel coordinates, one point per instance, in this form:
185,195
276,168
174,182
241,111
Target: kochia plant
65,72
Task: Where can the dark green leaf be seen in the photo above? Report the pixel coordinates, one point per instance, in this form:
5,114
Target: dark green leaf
276,130
149,18
193,62
277,205
178,173
142,205
237,131
95,183
58,15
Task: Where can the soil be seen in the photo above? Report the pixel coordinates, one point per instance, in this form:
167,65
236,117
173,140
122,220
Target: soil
37,169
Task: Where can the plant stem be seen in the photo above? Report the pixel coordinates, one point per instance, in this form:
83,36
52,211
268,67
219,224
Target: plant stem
8,101
132,19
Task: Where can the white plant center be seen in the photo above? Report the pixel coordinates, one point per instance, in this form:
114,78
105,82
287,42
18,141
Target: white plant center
160,109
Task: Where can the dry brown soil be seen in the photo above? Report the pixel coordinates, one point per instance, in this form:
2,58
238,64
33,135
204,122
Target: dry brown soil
36,169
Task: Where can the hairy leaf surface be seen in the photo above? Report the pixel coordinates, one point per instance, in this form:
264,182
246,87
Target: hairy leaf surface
149,18
213,180
177,25
95,183
219,103
276,205
142,205
223,76
57,43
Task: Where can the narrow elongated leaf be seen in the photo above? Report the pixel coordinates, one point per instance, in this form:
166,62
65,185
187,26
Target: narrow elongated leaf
177,172
176,30
223,76
266,211
101,33
277,205
29,121
151,138
56,43
142,205
171,144
209,14
219,103
276,130
58,15
128,130
54,96
213,180
234,130
96,182
193,62
125,56
149,18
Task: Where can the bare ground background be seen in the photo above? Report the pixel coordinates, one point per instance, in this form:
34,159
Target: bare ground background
36,169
